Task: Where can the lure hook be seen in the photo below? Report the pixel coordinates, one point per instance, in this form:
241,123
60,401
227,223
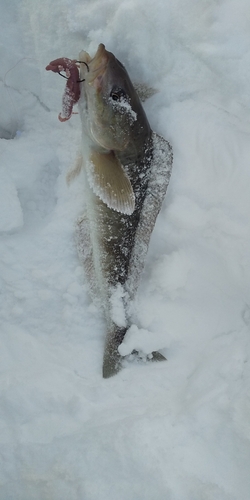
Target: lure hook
67,77
83,62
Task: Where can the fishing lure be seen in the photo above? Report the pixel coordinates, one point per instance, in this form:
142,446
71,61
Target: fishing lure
72,90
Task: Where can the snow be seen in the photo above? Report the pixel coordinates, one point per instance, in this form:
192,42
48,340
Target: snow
117,313
178,429
124,107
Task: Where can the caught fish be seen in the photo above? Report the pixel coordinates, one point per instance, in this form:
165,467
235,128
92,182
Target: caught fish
127,169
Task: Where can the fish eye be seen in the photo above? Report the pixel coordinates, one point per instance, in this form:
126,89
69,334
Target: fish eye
117,94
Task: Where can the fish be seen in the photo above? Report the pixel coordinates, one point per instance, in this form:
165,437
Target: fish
126,168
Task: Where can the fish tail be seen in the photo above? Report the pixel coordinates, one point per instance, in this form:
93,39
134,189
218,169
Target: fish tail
112,360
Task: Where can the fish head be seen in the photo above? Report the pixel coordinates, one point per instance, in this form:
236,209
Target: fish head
115,115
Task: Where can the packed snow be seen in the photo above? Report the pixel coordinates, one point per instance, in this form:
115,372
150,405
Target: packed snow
175,430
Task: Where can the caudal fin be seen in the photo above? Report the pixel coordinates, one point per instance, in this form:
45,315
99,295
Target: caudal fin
112,360
157,356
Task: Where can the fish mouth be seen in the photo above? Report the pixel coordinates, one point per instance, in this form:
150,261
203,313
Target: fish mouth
96,66
104,129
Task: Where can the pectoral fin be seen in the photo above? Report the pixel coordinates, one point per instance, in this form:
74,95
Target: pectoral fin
110,183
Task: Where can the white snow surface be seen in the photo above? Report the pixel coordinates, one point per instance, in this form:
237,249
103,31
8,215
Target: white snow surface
176,430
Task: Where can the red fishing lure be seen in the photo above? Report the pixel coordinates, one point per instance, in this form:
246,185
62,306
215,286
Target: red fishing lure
72,90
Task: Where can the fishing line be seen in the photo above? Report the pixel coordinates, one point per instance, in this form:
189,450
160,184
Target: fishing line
14,132
16,112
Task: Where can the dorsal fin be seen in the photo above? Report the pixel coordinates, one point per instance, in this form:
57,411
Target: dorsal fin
110,183
144,91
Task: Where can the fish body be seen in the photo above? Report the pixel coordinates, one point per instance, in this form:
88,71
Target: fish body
127,169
